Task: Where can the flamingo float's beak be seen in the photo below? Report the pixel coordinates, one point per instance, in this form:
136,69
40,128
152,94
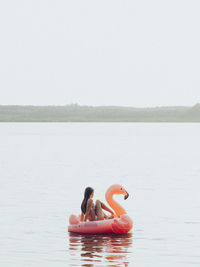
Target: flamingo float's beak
126,196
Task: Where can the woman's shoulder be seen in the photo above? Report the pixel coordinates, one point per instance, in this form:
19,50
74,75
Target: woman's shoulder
90,202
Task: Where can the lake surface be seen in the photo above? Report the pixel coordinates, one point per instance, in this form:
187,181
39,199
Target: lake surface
44,169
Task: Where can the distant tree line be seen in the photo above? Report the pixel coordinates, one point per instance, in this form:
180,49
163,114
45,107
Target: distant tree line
77,113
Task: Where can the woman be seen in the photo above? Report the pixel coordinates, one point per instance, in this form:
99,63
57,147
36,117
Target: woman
93,212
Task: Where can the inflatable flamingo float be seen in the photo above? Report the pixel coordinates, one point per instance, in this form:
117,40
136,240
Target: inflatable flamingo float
120,224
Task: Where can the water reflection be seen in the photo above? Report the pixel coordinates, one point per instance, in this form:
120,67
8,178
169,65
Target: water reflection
98,250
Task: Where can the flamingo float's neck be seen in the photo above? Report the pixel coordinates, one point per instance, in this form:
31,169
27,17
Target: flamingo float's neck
118,209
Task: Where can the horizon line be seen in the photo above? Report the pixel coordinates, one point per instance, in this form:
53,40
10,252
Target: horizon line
95,106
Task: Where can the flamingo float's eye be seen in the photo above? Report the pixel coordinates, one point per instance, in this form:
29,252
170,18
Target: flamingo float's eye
121,188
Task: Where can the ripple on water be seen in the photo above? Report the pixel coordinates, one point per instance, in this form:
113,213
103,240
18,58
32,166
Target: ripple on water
95,250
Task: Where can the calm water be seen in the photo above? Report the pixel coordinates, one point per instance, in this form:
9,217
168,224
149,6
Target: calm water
44,169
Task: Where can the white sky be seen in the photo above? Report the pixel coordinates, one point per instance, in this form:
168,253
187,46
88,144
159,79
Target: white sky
131,53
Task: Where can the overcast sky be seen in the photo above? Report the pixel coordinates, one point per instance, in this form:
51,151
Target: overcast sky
130,53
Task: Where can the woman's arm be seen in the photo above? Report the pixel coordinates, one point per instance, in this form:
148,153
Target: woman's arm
82,217
88,208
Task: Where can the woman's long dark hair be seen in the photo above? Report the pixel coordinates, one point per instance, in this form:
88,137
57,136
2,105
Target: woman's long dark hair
87,194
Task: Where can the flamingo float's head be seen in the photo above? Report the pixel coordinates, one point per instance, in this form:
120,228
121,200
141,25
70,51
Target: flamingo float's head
117,189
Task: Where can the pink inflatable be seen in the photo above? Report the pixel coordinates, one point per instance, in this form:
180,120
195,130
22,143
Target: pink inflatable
121,224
